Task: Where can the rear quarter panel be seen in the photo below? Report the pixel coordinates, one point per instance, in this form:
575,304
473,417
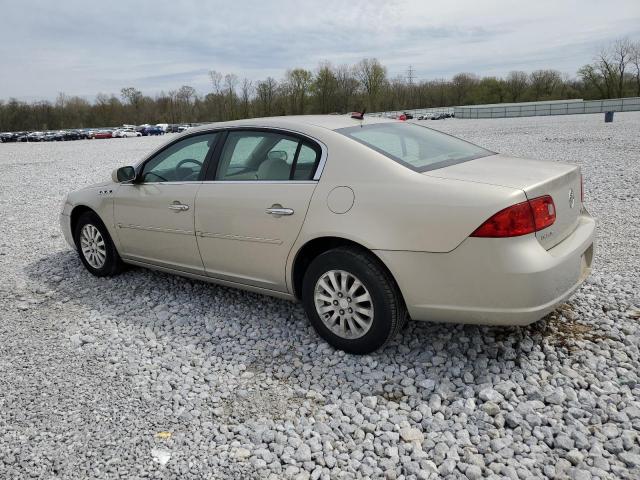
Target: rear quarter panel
396,208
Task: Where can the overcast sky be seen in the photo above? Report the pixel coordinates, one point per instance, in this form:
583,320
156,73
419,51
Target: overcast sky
82,48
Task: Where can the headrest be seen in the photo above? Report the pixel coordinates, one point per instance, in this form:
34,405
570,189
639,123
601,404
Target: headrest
274,169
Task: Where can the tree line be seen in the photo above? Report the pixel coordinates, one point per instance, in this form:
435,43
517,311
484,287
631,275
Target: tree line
614,72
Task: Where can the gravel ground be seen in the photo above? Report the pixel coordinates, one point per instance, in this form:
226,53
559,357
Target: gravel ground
152,375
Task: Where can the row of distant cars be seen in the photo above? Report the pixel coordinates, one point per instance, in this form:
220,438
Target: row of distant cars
125,131
427,116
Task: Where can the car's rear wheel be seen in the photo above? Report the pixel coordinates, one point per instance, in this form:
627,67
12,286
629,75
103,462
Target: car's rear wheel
95,247
352,301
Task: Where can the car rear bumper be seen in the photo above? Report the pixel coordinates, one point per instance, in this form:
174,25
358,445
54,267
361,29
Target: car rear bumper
509,281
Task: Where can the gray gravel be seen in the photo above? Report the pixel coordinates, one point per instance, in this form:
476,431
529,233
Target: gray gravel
151,375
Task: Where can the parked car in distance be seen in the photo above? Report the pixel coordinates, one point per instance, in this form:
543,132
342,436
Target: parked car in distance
9,137
101,134
35,136
72,135
58,136
152,130
130,133
405,116
125,133
82,134
330,211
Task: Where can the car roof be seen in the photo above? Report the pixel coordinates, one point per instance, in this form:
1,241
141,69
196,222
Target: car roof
330,122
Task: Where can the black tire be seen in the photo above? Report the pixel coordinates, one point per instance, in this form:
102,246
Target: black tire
113,263
388,306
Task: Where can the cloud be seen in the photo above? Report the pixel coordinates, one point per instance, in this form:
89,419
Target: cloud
83,48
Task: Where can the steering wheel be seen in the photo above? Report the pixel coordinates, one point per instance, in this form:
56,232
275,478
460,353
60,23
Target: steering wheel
188,160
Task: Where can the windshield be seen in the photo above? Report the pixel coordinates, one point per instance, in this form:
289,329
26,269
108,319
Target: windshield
416,147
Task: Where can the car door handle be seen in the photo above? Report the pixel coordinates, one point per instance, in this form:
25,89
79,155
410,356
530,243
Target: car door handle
179,207
278,211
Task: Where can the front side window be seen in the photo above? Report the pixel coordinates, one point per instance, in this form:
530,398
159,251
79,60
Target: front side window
260,155
418,148
181,162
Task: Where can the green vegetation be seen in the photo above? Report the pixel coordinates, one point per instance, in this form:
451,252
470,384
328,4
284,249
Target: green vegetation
615,72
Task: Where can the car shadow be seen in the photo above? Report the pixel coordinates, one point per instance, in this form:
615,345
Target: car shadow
226,316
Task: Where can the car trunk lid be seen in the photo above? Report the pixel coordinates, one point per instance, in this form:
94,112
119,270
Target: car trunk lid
536,178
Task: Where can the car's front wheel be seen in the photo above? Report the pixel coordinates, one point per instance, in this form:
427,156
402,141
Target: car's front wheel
352,301
95,247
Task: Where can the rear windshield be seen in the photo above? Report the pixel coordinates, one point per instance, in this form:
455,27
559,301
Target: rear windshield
416,147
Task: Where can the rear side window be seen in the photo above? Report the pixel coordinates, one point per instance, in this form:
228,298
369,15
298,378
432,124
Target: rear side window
306,163
418,148
250,155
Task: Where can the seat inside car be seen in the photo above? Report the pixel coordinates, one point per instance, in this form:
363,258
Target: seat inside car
274,167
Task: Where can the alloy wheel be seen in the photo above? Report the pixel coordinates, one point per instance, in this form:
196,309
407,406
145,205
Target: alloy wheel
93,246
343,304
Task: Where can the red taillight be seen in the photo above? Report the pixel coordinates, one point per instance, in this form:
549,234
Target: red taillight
519,219
544,212
511,222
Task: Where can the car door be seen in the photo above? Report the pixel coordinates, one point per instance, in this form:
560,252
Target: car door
154,215
250,210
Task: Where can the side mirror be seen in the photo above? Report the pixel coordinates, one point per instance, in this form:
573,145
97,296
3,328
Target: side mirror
123,174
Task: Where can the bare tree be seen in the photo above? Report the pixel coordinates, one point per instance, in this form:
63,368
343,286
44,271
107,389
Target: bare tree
61,100
398,93
183,97
298,83
544,83
462,84
346,87
635,61
608,70
216,81
266,91
516,85
230,96
324,88
372,76
490,90
186,93
621,55
591,76
174,109
246,91
131,95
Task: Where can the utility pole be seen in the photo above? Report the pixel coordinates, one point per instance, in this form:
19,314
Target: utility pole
410,93
410,75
